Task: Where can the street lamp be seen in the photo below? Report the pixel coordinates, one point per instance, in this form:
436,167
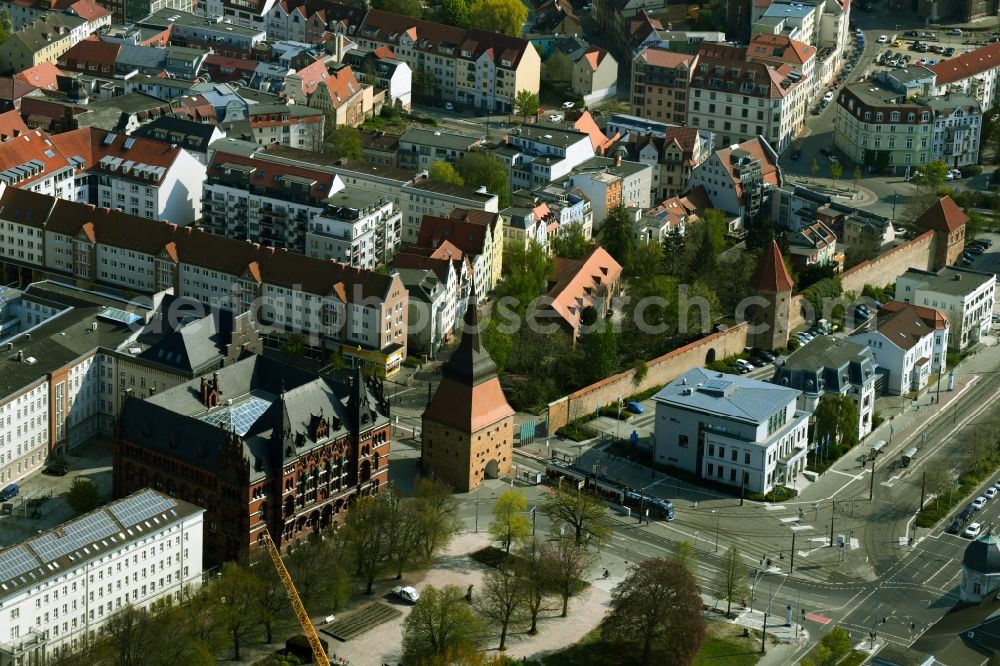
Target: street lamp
717,518
763,627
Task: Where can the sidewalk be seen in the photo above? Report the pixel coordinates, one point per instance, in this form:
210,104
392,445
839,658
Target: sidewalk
782,639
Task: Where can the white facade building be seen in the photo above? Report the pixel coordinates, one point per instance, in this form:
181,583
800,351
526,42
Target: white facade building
59,587
355,227
732,430
541,154
909,343
966,297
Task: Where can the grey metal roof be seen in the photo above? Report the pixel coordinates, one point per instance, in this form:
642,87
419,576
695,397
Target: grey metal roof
950,280
91,536
983,554
733,396
827,363
439,139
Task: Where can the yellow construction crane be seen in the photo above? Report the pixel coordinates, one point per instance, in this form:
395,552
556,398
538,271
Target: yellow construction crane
319,654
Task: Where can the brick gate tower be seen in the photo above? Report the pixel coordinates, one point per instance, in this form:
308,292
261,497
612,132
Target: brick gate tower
772,282
947,221
468,427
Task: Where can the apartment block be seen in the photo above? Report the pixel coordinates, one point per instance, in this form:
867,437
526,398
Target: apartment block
59,587
422,197
966,298
974,73
420,148
355,227
672,156
43,40
737,178
330,305
660,81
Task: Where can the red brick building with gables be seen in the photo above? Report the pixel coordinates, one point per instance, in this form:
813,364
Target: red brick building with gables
260,445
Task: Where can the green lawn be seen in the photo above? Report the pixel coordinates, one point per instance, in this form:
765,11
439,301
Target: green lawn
592,651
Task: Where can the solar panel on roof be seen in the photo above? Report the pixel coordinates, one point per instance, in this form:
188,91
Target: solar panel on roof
16,561
717,384
133,510
240,417
120,316
73,536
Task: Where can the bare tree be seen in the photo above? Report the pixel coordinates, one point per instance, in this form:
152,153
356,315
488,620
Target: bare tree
318,566
539,584
685,556
270,600
510,524
501,600
366,530
567,561
938,480
402,529
732,578
658,603
233,593
580,512
437,513
127,634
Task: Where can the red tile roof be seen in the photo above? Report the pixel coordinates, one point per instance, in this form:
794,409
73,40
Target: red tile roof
470,237
904,326
967,64
780,47
34,145
933,318
89,143
668,59
11,125
91,56
88,10
263,177
771,274
944,215
578,283
343,86
41,76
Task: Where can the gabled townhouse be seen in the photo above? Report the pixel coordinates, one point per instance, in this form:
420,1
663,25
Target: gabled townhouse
90,57
292,125
781,50
479,236
908,342
672,156
578,284
813,245
428,305
453,270
422,196
965,296
31,161
43,40
611,181
739,98
831,366
335,90
23,13
305,21
11,125
360,314
552,17
974,73
44,76
224,69
525,226
379,149
383,70
142,177
566,205
420,148
595,75
616,17
738,177
481,69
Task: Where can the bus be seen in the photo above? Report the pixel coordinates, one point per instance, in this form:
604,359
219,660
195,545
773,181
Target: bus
909,455
564,475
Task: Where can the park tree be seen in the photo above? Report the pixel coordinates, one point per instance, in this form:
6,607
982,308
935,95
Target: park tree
445,172
411,8
526,272
566,560
647,262
437,514
837,422
617,237
233,596
557,68
454,12
675,255
440,621
525,103
504,16
83,495
270,601
126,636
6,25
319,568
482,169
931,176
501,600
539,584
658,604
833,647
343,141
836,171
511,525
582,515
366,531
684,555
570,243
402,529
732,578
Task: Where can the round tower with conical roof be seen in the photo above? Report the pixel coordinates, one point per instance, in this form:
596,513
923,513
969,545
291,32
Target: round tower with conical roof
769,323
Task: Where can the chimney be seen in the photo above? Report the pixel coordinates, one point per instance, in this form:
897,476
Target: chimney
338,47
204,392
20,356
215,383
618,159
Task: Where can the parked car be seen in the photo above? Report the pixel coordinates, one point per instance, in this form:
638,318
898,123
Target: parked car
997,484
955,31
56,469
972,531
635,408
828,97
966,513
911,33
949,52
957,173
406,593
448,106
986,241
568,105
766,355
977,250
928,35
979,503
10,491
955,527
882,39
555,118
990,492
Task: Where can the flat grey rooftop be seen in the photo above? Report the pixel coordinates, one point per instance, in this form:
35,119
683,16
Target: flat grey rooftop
731,396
